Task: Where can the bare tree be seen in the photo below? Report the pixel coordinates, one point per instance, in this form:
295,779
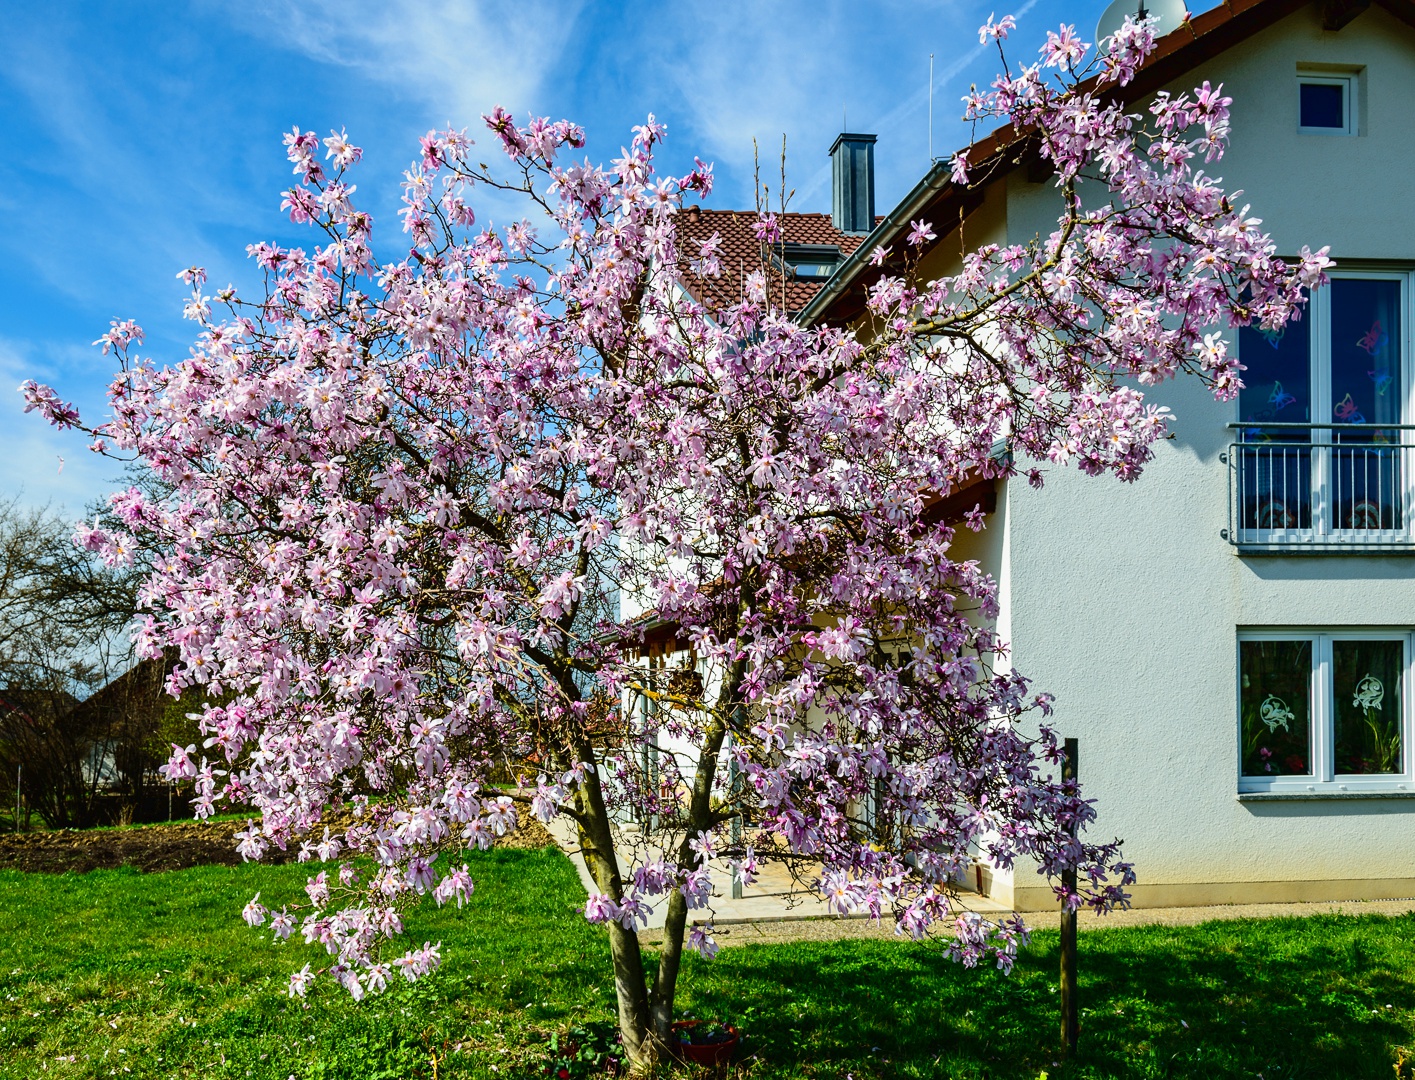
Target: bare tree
75,711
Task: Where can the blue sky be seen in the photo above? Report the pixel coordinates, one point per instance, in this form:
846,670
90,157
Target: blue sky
137,139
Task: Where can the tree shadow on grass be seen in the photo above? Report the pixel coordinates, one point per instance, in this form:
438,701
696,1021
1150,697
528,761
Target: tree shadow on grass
1329,996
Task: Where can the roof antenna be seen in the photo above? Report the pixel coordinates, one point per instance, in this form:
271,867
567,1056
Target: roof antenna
931,108
844,118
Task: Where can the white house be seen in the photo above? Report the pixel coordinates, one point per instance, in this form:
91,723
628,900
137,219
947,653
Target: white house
1232,638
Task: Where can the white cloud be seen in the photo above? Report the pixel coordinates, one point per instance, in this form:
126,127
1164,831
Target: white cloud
809,70
458,57
756,71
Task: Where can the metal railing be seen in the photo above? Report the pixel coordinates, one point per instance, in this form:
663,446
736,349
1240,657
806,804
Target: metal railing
1330,487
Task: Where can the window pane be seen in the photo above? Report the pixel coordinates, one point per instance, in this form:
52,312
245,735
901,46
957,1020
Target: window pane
1323,105
1274,705
1366,713
1366,389
1276,476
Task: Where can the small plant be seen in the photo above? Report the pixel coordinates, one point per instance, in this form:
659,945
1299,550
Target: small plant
584,1051
706,1042
706,1034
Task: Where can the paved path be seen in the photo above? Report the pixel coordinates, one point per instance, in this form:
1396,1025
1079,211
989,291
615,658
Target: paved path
768,912
769,898
833,928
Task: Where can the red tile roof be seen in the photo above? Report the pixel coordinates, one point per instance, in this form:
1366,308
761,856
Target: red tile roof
740,253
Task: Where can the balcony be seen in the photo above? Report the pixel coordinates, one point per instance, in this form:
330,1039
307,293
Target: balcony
1308,488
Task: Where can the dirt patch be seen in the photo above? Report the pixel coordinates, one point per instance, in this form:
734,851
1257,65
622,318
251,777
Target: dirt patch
174,846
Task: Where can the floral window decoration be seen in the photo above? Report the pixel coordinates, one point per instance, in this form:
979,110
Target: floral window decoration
1276,708
1367,699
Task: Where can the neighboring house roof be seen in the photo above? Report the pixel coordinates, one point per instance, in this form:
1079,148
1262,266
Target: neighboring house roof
33,704
937,200
138,689
741,253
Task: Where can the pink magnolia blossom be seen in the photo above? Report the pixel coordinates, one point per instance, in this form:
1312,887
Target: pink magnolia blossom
301,981
255,912
700,940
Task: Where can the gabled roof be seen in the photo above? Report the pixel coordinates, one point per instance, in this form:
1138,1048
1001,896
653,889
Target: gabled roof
741,253
32,704
944,204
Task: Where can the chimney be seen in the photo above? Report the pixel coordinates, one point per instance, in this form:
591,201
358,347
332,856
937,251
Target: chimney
852,183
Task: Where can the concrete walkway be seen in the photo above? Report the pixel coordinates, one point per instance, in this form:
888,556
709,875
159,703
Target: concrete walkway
771,910
773,897
834,928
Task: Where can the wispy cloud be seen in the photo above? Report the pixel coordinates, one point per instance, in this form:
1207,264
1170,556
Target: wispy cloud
944,94
759,70
119,199
456,57
743,72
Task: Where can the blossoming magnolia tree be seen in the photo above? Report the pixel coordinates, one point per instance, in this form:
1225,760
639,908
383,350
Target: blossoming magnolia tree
406,499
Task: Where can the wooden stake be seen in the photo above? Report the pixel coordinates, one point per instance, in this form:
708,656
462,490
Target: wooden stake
1070,1026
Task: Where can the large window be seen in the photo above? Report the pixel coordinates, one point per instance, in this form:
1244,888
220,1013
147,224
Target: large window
1322,449
1324,711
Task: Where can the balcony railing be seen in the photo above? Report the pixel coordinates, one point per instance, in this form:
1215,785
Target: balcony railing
1304,487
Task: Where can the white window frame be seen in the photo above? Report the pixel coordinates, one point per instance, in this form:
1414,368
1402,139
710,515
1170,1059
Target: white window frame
1348,99
1316,323
1321,738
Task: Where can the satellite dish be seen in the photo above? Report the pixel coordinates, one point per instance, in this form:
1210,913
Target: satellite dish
1169,13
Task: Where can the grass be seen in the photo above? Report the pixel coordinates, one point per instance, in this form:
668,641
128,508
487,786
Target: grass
115,973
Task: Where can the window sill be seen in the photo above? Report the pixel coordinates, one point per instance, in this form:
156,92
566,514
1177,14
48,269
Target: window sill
1327,547
1319,796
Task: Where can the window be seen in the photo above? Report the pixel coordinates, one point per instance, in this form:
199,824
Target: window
1324,711
1326,104
1323,450
810,262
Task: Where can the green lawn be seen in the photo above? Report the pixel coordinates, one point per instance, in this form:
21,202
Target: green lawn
115,973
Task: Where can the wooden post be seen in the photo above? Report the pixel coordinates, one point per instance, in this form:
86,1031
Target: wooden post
735,789
1070,1027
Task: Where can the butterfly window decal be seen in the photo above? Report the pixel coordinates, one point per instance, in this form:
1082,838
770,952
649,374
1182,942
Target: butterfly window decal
1382,379
1374,339
1347,412
1280,399
1273,337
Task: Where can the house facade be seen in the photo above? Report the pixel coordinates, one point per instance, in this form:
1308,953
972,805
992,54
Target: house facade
1232,638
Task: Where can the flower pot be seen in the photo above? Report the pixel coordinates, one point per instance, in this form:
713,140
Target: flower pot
710,1053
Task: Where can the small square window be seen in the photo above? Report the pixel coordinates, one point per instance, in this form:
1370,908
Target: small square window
1324,105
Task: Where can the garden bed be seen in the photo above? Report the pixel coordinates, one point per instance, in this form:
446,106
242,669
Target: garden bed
172,846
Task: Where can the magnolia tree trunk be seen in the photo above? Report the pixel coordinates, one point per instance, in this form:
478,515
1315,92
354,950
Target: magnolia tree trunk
630,987
645,1007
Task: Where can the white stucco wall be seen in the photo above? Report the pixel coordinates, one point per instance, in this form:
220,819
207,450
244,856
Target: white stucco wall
1124,600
